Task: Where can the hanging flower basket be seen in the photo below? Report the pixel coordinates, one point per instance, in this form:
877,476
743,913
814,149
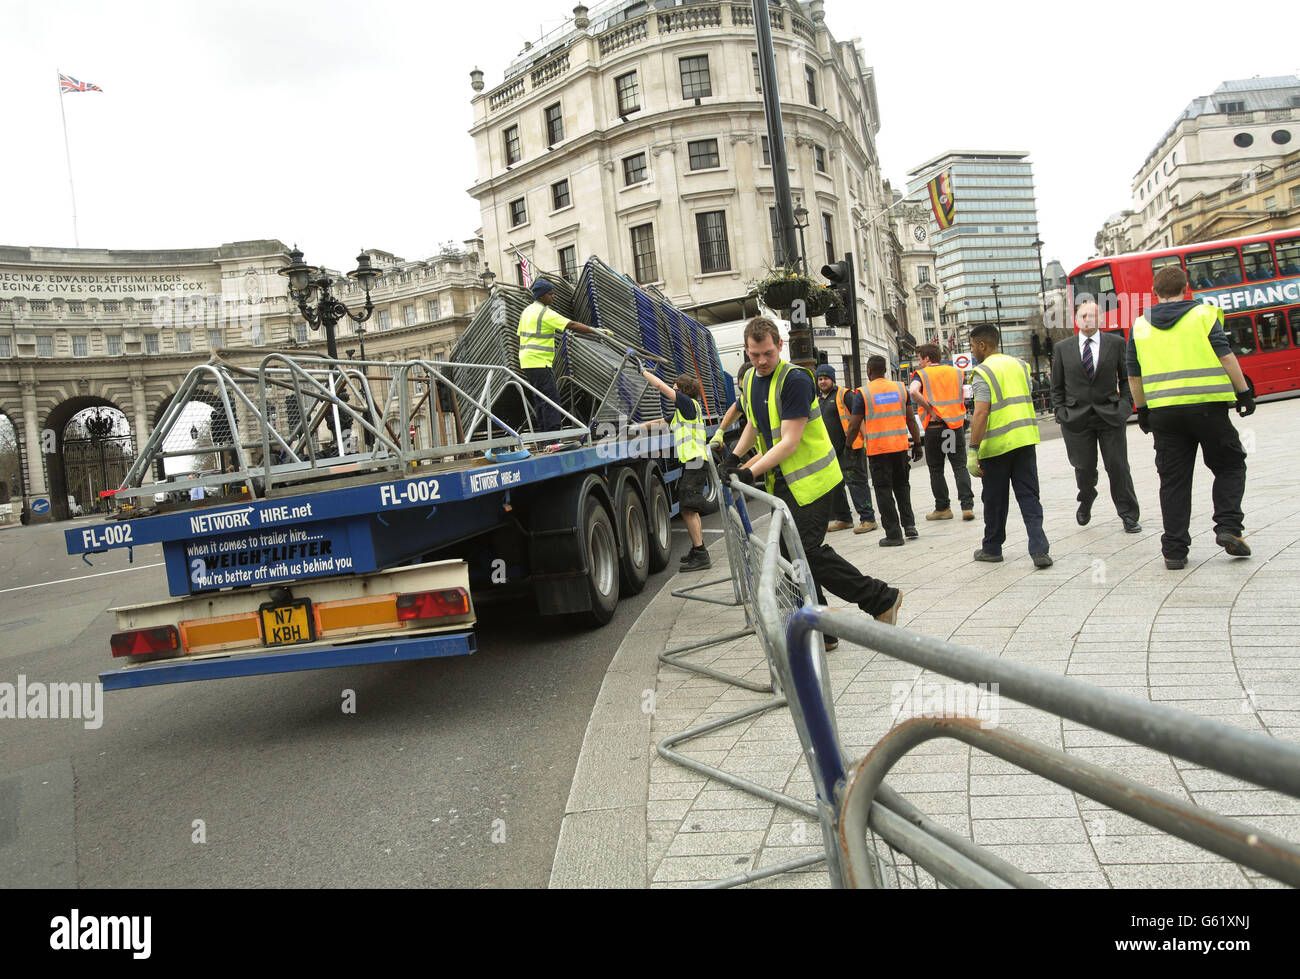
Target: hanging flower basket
820,301
782,287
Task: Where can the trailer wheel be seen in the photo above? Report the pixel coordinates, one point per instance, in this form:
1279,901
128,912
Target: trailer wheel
633,533
660,521
600,548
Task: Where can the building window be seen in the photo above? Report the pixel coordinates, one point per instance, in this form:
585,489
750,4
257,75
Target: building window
560,195
711,229
758,74
927,310
1270,203
183,343
810,76
645,269
1295,196
634,169
1232,106
300,331
1243,139
554,124
432,307
385,319
76,306
703,154
696,83
513,152
923,275
518,213
44,346
829,237
569,262
1281,137
151,343
819,158
628,92
408,315
778,242
6,350
215,339
113,344
80,348
767,151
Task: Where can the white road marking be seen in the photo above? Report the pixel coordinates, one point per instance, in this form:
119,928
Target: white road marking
64,581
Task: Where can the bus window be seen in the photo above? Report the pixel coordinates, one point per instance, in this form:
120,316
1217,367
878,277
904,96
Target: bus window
1164,261
1258,261
1096,284
1294,315
1288,256
1240,336
1272,331
1206,270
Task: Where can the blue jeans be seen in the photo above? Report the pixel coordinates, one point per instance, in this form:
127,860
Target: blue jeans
1015,470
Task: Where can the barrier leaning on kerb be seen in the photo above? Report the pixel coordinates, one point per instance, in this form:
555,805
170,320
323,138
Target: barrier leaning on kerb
773,589
853,800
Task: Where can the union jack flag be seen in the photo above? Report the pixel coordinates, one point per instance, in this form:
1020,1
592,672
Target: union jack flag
69,84
526,267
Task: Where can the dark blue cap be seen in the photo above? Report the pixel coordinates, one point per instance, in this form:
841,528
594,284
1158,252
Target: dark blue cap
825,370
541,287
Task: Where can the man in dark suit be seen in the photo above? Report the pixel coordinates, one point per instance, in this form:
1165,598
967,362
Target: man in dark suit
1092,401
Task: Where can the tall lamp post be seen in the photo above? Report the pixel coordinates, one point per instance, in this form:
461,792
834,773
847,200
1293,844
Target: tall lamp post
997,306
801,222
306,280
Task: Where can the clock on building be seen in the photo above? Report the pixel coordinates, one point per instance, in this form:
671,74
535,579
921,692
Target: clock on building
919,232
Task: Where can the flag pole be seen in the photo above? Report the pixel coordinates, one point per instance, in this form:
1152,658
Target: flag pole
68,153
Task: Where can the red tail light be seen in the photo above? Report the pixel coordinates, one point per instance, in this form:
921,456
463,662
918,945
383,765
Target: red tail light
432,604
141,642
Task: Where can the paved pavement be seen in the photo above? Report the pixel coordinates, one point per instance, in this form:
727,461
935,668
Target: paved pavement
1216,639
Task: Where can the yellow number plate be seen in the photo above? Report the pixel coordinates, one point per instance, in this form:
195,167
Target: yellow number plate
285,625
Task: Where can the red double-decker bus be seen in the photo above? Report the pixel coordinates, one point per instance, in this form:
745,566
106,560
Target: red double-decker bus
1255,281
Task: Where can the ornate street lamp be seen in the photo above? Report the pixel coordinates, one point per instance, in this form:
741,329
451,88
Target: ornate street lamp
306,280
801,222
487,277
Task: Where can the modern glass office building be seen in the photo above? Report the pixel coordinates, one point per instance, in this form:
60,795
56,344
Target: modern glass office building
987,261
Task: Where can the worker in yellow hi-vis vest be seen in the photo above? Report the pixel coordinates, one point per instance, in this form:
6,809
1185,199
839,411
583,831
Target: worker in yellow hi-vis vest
797,464
1003,434
538,327
1184,377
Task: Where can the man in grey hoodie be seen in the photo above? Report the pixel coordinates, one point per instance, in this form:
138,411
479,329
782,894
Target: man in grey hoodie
1184,376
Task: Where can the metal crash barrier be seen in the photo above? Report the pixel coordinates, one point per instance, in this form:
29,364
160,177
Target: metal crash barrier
872,836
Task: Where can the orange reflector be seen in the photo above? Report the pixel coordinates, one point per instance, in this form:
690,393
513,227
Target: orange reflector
432,604
222,632
356,614
142,642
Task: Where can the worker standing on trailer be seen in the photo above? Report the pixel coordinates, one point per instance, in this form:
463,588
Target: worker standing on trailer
538,327
798,460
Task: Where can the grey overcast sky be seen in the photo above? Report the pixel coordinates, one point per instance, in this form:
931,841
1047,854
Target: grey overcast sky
341,125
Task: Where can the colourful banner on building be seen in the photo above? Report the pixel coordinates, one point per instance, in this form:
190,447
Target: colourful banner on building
941,199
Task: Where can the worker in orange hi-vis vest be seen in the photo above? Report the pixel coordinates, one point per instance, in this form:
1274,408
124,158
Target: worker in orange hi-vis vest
887,424
842,413
937,390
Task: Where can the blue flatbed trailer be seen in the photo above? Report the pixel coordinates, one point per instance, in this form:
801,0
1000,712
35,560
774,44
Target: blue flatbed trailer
570,524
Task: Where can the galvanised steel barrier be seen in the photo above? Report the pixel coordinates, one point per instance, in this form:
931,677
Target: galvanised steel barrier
857,809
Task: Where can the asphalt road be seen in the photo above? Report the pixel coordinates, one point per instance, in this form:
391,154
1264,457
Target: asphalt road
451,773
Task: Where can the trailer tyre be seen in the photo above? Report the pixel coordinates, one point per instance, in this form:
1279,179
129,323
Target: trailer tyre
600,548
633,533
659,514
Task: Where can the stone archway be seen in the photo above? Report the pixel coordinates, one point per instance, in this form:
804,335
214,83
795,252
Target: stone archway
11,460
58,421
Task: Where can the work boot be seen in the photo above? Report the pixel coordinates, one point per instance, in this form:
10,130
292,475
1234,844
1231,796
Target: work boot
697,560
891,542
982,555
1042,560
911,533
890,615
865,526
944,514
1233,544
835,525
830,643
968,514
1175,563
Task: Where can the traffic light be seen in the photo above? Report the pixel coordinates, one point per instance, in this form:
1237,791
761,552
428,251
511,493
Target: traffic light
840,277
1036,345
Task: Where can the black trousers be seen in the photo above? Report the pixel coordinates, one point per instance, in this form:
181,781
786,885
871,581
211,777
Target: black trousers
891,472
947,446
855,485
829,570
543,378
1015,471
1081,449
1179,431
